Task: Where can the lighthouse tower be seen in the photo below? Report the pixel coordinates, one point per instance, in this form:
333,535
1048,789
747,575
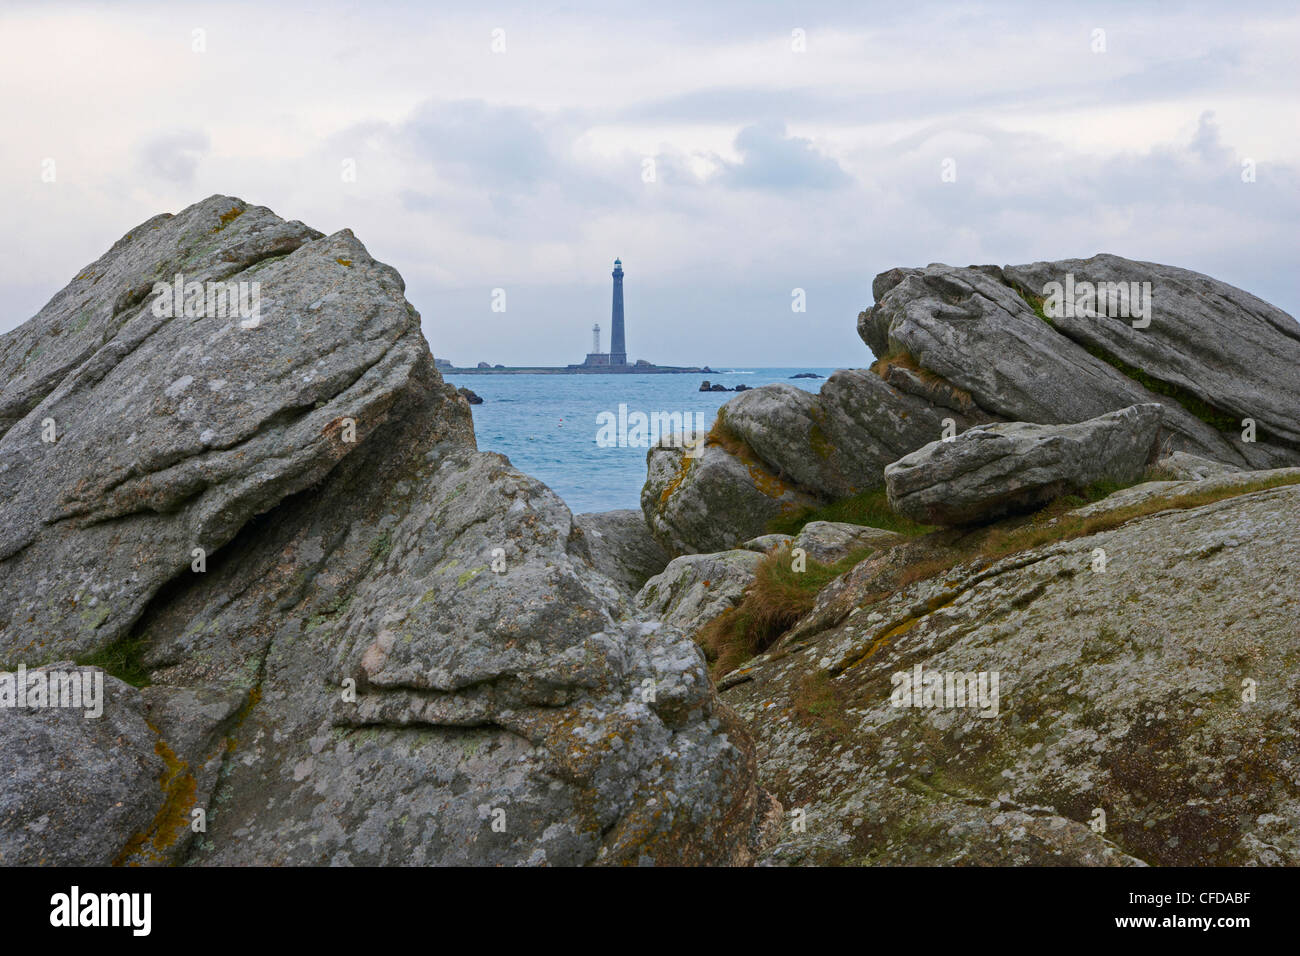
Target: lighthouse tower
617,346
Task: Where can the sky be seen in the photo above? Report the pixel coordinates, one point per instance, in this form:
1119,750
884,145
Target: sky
738,157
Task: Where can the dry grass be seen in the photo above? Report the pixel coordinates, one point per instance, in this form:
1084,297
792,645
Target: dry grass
819,703
777,597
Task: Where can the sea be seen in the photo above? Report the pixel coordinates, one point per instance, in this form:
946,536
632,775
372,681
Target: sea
549,426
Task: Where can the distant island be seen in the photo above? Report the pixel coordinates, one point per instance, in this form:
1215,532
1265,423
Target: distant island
640,368
613,362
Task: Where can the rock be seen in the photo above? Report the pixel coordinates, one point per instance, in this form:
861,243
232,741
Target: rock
779,449
696,588
806,375
173,433
1181,466
1120,691
712,500
954,349
483,365
974,329
396,643
1148,491
469,396
832,541
704,386
75,790
719,388
992,470
621,546
742,387
766,543
1207,338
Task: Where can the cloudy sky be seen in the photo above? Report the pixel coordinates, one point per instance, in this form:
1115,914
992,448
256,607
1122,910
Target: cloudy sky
729,152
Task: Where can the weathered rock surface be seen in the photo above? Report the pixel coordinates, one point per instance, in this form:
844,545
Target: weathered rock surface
1223,345
398,650
712,500
696,588
622,547
1160,692
958,347
173,432
75,789
992,470
831,541
972,327
1181,466
766,543
779,449
1169,491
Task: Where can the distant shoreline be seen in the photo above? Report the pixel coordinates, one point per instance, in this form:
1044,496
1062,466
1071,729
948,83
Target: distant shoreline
596,370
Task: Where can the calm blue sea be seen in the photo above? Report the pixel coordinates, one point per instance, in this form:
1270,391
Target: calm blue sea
547,424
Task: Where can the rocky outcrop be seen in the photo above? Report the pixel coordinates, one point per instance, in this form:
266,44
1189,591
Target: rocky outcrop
959,347
1144,710
1211,354
388,647
778,449
1205,338
992,470
621,547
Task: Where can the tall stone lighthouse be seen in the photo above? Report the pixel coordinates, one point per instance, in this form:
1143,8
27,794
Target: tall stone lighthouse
617,346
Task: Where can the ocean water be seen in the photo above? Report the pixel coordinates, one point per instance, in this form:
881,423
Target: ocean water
547,425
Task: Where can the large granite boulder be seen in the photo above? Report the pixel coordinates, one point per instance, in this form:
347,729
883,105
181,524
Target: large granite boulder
991,470
622,547
712,497
1208,339
170,433
1145,712
696,588
391,648
1212,354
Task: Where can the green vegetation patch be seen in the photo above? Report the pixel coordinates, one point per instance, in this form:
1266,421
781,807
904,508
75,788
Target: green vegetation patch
123,659
869,508
778,596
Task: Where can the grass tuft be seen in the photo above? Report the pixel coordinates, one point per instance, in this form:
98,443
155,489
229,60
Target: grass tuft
773,602
869,508
122,659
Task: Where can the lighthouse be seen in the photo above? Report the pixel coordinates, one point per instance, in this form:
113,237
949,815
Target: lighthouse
617,346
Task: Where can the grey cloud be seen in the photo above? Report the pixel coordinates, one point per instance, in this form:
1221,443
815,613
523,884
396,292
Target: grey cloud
772,159
174,156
